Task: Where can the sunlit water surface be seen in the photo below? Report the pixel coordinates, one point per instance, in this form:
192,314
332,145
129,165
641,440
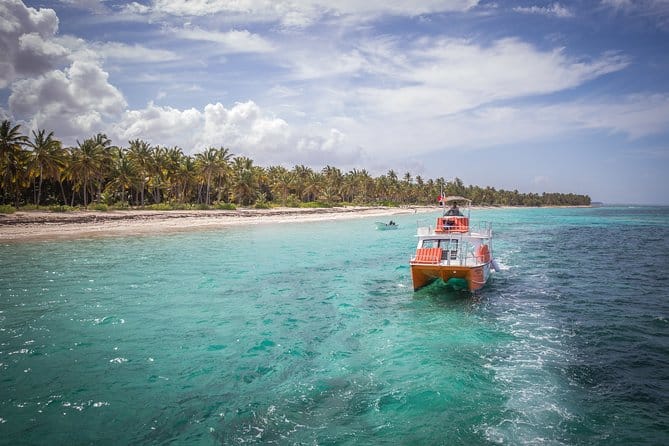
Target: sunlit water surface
311,334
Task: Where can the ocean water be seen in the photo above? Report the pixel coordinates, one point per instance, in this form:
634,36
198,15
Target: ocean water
311,334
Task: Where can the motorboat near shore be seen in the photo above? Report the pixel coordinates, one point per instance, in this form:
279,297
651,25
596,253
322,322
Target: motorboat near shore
453,250
383,226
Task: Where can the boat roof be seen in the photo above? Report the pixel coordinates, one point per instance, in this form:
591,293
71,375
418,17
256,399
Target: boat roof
457,199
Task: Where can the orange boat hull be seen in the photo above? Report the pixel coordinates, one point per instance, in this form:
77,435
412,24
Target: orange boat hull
422,275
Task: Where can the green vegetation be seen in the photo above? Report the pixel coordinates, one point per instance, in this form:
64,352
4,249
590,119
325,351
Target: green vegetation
39,171
226,206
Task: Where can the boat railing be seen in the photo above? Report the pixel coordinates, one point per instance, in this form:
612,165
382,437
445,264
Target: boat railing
459,251
481,229
463,255
423,227
478,228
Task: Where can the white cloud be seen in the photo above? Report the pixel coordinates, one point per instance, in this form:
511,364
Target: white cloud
74,101
319,63
247,129
506,68
244,128
391,138
436,77
305,12
618,4
235,41
327,146
82,50
95,6
656,11
555,9
166,126
635,115
131,53
4,115
540,180
378,99
135,8
25,35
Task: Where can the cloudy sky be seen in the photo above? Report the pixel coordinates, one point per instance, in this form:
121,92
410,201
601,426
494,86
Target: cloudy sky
569,96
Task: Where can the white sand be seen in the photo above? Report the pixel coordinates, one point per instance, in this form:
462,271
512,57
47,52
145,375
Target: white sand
37,225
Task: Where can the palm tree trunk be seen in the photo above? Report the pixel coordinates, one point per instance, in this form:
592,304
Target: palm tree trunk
62,191
39,188
85,197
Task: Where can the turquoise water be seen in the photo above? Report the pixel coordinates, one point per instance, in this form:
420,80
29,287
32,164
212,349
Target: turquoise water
311,334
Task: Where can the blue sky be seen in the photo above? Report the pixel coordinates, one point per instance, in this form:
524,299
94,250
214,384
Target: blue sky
569,96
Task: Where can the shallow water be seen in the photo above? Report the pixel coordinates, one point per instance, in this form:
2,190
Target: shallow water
311,334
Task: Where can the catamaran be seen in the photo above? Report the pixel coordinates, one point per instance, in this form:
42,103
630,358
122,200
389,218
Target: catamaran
453,250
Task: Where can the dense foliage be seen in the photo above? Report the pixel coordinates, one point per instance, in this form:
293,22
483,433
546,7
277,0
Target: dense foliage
40,171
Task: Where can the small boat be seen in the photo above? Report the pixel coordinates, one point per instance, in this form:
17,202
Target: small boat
453,249
382,226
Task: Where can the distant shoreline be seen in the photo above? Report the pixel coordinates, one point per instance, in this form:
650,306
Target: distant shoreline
24,226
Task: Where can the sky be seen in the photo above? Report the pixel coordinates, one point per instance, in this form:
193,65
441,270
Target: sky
569,96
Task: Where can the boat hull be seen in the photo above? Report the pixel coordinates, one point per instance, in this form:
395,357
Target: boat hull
385,226
475,276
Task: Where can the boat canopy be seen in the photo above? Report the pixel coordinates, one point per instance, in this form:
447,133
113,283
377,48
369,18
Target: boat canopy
455,199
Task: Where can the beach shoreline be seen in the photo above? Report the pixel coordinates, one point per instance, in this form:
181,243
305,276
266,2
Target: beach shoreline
26,226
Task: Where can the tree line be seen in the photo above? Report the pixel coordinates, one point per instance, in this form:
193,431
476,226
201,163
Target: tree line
39,171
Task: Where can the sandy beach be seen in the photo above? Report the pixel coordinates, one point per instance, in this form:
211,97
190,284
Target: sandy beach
39,225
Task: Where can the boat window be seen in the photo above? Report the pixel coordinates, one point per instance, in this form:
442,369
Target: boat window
430,243
450,244
447,244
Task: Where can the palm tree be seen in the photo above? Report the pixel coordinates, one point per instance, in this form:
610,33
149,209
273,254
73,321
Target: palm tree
364,185
406,188
140,155
224,178
172,162
313,186
300,175
455,187
87,162
280,181
124,175
382,188
105,152
333,183
207,165
245,182
420,190
158,171
13,160
393,184
185,178
47,160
